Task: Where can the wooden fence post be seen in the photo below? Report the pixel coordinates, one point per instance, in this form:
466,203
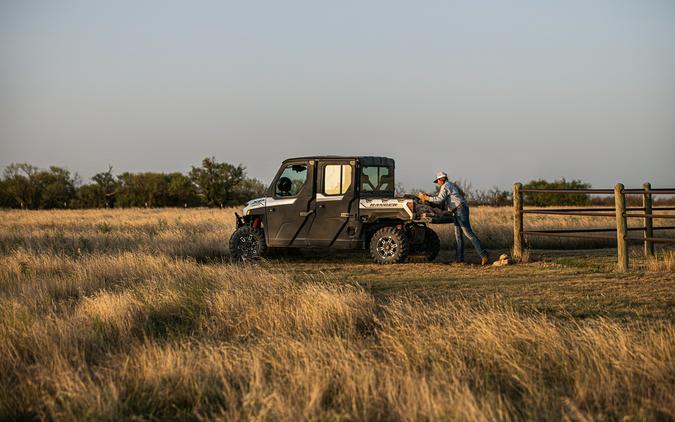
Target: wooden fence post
649,228
517,221
621,232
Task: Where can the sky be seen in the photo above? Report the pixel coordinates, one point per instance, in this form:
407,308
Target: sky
492,92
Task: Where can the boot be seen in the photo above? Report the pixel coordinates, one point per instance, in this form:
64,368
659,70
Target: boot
484,260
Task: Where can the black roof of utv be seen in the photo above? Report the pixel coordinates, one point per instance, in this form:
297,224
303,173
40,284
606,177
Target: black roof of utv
365,160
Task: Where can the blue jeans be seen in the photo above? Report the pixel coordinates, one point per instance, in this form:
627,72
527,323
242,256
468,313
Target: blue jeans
462,224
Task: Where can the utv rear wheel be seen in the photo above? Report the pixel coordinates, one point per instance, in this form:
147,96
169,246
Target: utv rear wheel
247,243
389,246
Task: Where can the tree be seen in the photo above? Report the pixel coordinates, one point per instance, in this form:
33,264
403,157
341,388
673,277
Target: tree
18,182
108,187
6,200
99,194
549,199
493,197
181,191
154,188
142,189
26,186
56,188
248,189
215,181
89,196
128,194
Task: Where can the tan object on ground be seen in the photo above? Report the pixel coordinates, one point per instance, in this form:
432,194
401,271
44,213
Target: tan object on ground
502,261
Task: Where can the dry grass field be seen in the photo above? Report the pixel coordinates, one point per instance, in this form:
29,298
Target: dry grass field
138,314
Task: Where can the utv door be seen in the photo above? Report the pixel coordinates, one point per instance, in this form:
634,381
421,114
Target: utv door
336,221
289,206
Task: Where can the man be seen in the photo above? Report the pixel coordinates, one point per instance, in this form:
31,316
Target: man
450,198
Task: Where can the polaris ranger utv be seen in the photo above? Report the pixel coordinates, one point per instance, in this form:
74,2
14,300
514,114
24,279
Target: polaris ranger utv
336,202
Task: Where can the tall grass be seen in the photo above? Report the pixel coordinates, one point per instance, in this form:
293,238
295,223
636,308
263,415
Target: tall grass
203,233
200,233
133,315
662,261
124,335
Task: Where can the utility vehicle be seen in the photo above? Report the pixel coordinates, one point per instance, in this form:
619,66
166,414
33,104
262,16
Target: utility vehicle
340,202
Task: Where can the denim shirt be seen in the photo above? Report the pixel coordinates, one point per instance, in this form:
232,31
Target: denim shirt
448,196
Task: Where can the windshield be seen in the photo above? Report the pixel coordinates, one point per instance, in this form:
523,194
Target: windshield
291,180
377,179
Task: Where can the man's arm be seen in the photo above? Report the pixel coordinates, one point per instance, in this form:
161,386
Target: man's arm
441,197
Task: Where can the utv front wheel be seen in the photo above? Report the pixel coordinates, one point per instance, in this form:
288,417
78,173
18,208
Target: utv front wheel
247,243
389,246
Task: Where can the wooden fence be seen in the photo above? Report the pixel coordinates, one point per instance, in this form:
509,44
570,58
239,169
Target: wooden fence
620,211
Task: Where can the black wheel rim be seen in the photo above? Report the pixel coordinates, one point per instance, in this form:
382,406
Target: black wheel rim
248,246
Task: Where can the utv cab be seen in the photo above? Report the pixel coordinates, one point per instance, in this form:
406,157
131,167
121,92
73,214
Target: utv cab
336,202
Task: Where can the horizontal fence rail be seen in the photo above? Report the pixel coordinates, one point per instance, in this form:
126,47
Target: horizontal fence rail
571,233
613,229
571,212
576,191
600,191
649,216
620,212
575,209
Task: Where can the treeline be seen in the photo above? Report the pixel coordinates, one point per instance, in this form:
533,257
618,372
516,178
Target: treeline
218,184
498,197
548,199
212,184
